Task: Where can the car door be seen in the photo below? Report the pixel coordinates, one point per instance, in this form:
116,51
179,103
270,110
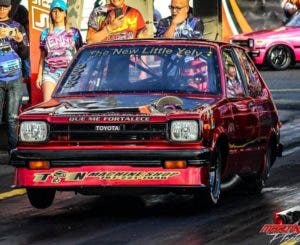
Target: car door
261,96
244,141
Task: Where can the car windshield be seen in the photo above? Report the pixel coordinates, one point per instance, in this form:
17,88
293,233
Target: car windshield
142,69
295,20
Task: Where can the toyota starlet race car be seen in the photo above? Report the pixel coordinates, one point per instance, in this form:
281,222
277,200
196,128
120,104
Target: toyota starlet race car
151,116
279,47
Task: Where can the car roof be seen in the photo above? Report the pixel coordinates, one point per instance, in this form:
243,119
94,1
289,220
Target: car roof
160,41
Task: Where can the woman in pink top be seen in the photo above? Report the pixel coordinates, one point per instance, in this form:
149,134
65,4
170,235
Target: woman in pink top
58,44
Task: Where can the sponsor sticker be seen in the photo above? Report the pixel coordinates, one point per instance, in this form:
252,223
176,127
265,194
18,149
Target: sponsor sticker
65,176
109,118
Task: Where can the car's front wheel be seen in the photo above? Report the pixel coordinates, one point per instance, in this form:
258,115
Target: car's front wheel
279,57
210,196
40,198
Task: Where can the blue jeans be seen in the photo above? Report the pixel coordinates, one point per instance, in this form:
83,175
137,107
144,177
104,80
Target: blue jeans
10,98
26,68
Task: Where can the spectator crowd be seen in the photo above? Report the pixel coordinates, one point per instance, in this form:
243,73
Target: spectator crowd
107,22
60,41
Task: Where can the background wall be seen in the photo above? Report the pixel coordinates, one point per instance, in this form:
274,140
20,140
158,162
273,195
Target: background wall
262,14
240,16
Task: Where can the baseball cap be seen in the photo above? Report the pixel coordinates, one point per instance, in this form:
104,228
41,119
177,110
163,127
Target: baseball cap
5,2
58,4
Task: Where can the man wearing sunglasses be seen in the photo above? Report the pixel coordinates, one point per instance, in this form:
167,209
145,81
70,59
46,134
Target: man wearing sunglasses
181,23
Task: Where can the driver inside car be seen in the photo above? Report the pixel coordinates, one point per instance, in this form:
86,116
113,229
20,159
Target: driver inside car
233,85
196,74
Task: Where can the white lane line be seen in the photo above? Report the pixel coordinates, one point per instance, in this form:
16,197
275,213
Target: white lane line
291,151
287,90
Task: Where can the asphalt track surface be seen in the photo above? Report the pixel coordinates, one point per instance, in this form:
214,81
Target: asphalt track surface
159,219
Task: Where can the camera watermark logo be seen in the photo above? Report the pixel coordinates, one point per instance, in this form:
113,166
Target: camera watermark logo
286,227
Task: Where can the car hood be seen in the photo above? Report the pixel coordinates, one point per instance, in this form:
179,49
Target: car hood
151,104
264,33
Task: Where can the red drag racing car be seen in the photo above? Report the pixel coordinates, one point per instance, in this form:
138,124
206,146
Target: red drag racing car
151,116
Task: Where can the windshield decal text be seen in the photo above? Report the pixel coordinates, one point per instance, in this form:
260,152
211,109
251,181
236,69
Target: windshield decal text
147,51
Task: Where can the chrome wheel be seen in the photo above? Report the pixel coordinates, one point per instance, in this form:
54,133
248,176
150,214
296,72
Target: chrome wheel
279,57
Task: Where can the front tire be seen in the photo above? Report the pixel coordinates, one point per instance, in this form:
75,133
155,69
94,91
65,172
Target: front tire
279,57
40,198
211,195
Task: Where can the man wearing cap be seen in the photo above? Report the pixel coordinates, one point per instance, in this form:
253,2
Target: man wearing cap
14,46
181,23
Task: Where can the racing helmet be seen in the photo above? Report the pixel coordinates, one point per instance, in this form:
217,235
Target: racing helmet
194,68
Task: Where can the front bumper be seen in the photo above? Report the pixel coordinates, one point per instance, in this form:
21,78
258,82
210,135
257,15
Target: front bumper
86,177
88,169
20,158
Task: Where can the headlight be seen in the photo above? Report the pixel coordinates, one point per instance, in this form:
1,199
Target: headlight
251,43
33,131
184,130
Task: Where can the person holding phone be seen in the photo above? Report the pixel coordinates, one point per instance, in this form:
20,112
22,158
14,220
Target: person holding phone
115,21
181,23
14,46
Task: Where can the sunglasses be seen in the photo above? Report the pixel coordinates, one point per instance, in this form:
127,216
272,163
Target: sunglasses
174,8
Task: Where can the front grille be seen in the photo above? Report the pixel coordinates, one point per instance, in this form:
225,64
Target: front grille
124,132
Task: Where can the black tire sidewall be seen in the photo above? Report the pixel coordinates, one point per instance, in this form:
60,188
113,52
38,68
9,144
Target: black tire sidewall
288,61
210,196
40,198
